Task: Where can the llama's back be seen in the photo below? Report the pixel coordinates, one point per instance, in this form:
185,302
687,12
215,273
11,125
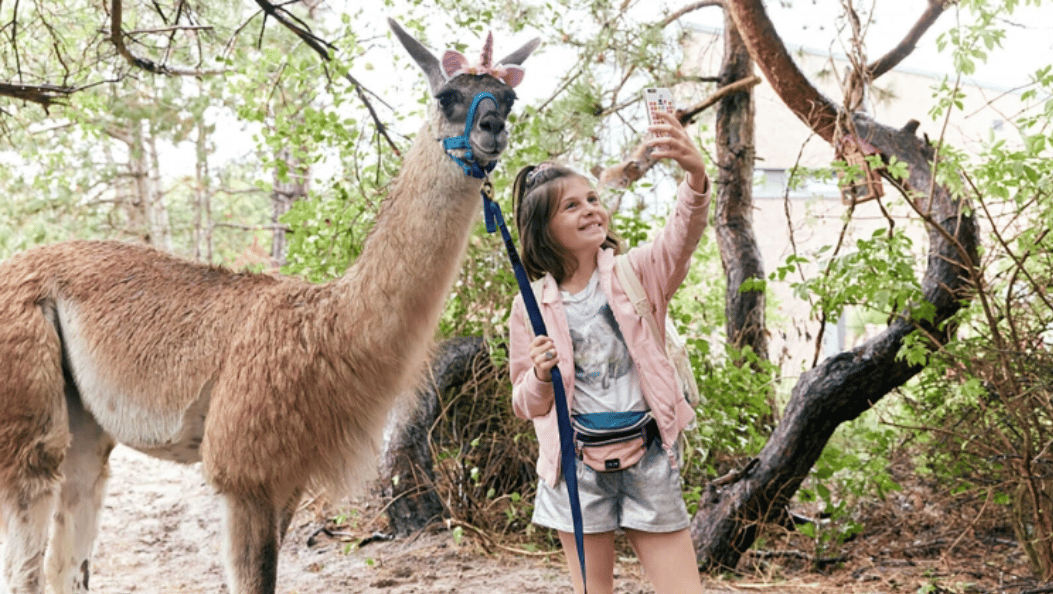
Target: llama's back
142,334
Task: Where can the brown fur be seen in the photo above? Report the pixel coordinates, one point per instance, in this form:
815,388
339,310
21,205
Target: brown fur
276,385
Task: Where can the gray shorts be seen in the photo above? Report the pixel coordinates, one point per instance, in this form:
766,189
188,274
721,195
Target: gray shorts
646,496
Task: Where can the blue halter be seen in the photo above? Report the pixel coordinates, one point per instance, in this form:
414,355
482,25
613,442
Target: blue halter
468,162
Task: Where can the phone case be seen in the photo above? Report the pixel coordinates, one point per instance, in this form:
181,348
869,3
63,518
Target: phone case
658,99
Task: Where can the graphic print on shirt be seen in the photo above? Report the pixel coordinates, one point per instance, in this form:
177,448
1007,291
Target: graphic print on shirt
600,354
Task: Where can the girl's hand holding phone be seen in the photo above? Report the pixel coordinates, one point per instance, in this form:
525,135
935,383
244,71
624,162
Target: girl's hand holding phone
671,141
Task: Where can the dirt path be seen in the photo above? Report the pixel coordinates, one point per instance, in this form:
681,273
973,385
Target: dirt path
160,533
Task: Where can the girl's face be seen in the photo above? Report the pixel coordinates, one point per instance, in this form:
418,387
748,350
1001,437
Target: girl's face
580,221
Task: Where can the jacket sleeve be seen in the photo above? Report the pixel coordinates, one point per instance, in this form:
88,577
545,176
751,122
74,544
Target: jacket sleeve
663,264
531,397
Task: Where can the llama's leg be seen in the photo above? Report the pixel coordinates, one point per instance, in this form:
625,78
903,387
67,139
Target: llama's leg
251,526
29,486
26,517
76,520
285,515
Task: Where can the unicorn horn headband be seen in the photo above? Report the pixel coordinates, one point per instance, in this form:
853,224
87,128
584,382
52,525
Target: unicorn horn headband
454,63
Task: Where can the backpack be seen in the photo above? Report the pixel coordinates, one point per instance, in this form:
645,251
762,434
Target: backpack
675,348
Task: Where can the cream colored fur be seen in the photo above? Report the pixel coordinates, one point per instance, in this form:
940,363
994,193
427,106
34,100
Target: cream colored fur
275,384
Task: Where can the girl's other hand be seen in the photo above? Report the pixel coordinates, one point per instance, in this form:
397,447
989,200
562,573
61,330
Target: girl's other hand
671,141
543,354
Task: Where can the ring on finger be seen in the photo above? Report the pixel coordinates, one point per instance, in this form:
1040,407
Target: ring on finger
549,355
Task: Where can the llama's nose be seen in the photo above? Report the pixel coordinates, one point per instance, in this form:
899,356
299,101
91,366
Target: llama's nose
494,125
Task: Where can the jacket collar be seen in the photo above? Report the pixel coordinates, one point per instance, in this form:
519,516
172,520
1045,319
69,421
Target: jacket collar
550,290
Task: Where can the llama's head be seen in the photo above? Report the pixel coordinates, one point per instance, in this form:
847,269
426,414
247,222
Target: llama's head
456,85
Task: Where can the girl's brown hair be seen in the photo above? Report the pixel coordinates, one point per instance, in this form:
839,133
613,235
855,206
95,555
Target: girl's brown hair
536,194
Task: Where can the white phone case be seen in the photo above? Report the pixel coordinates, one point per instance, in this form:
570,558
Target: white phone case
658,99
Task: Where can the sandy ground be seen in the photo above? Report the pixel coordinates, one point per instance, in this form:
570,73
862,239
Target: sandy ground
160,532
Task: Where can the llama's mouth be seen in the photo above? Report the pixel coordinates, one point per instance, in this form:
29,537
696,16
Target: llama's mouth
487,152
488,146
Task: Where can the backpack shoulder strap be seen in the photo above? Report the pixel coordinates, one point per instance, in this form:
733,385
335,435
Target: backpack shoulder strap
537,286
634,289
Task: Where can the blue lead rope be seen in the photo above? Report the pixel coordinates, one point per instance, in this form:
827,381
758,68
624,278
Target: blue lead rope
568,459
492,214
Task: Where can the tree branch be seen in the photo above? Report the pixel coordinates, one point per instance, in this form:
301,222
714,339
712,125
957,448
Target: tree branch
117,38
769,53
172,29
807,103
897,54
299,28
689,114
381,128
322,47
846,385
690,8
45,95
14,40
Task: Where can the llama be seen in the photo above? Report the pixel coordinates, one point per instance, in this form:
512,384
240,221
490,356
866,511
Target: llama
277,386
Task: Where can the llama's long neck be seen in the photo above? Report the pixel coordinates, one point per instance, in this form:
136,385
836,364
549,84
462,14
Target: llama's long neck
398,286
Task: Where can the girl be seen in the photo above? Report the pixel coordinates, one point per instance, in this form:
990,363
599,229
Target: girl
612,366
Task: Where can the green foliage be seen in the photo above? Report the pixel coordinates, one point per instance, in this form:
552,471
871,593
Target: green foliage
326,233
878,275
852,468
986,396
736,386
481,301
981,402
631,227
734,412
77,164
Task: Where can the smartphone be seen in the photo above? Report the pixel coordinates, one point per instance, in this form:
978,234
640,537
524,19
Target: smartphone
658,99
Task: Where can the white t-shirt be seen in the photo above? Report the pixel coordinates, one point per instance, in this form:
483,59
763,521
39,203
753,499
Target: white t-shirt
605,378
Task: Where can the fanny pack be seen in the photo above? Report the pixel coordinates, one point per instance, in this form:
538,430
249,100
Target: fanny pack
613,441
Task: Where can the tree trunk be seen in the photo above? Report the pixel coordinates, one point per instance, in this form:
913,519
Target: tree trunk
160,224
838,390
407,476
739,252
288,188
202,195
844,386
137,203
144,205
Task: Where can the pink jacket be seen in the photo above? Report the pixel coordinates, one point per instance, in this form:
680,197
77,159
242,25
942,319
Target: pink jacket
661,266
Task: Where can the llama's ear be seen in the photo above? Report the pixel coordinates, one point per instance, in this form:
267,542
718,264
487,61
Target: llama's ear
420,54
521,54
453,62
511,74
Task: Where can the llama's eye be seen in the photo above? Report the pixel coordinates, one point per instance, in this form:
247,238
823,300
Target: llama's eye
508,98
449,98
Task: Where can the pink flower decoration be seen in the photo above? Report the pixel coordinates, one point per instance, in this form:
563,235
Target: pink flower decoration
454,63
